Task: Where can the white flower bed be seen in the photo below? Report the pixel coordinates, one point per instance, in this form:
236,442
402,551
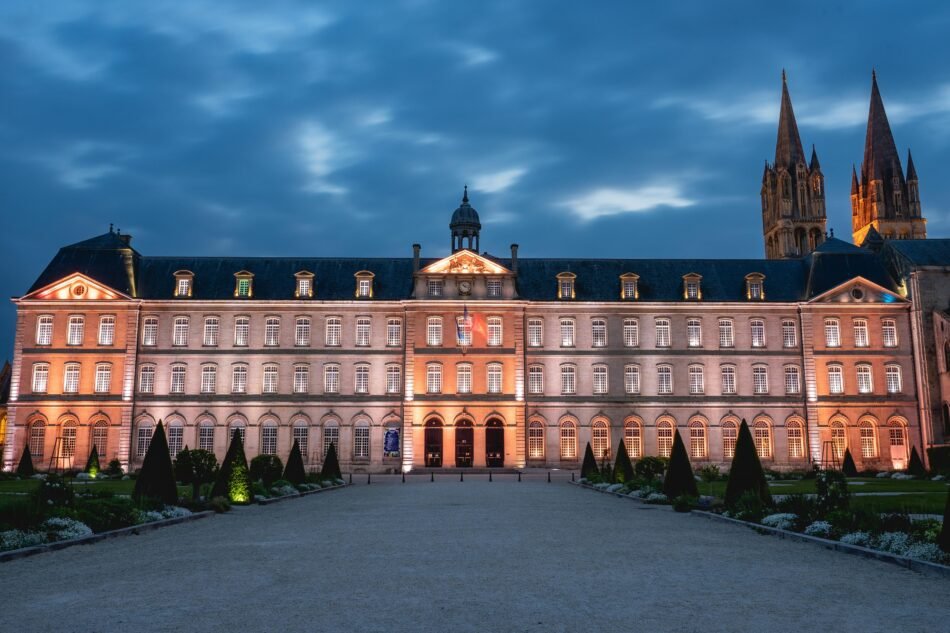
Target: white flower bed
901,476
15,539
884,475
862,539
819,528
614,487
60,529
656,497
782,520
283,491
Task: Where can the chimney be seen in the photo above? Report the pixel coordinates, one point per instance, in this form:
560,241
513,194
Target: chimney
514,258
415,257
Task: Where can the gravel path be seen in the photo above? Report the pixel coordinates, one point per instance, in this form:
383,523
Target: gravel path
452,557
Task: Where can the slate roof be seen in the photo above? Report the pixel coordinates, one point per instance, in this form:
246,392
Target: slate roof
902,256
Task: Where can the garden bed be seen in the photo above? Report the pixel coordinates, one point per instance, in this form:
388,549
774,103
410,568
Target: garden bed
300,493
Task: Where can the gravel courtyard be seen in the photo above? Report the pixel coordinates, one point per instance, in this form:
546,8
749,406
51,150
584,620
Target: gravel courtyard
472,556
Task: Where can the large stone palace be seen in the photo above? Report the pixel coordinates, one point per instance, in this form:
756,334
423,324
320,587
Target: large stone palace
474,360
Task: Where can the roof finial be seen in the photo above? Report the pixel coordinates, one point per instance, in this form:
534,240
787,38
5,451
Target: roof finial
873,74
832,231
465,194
784,78
110,227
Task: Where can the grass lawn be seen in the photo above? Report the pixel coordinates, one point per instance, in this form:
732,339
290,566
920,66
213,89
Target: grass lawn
911,503
9,489
856,485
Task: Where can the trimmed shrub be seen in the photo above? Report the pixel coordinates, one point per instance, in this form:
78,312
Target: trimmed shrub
195,467
109,513
939,458
234,481
267,469
623,468
684,503
156,480
831,491
25,467
916,467
220,504
331,466
589,465
745,474
114,469
679,479
650,467
294,471
92,464
847,465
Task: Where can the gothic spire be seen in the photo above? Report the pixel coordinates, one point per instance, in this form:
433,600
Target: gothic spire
911,170
788,146
855,189
880,152
814,164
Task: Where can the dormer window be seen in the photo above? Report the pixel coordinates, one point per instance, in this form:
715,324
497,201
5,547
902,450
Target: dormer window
565,285
304,289
628,286
755,287
435,287
183,284
364,284
692,290
494,287
244,284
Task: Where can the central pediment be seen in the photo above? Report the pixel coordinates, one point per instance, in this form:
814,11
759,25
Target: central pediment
465,262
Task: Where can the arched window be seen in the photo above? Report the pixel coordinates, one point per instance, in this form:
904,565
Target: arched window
37,439
100,437
762,435
796,439
269,438
600,439
897,438
664,438
633,439
331,435
239,427
697,440
839,439
535,440
730,432
176,436
302,437
143,438
361,440
206,436
868,439
568,440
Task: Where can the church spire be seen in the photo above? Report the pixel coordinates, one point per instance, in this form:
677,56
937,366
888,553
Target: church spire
911,170
814,164
855,189
880,152
788,145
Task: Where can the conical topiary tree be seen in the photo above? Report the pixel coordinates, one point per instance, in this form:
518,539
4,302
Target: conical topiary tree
156,480
234,479
746,474
294,471
916,467
623,469
25,467
589,465
679,479
847,465
92,464
331,465
943,538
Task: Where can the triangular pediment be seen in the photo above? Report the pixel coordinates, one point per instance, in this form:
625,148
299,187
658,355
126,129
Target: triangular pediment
858,290
76,287
465,262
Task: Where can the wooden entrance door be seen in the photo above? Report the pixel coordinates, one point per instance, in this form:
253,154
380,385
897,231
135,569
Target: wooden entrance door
433,444
494,444
464,445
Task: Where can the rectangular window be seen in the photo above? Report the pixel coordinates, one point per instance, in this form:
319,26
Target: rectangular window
536,379
494,287
143,439
302,437
755,290
206,438
600,379
239,379
176,436
272,332
44,330
832,333
567,333
758,332
331,435
893,374
789,336
103,377
568,442
147,379
434,331
728,379
268,440
629,289
180,332
74,334
393,332
692,289
463,378
535,441
694,333
664,375
302,332
861,333
331,379
726,333
598,333
568,382
40,377
662,332
242,331
835,379
362,331
463,330
210,338
631,379
301,378
889,332
696,382
71,378
270,379
793,382
361,442
361,384
183,289
796,442
566,289
433,378
494,378
865,384
304,287
631,333
107,330
177,384
365,288
494,331
334,331
760,379
209,379
244,287
393,379
435,287
535,332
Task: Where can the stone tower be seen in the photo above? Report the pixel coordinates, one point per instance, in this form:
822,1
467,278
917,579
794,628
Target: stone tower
881,197
793,192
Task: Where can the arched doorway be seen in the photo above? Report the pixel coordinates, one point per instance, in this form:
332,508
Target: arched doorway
464,444
433,444
494,443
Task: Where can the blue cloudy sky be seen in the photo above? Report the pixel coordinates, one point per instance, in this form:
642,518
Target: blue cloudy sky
305,128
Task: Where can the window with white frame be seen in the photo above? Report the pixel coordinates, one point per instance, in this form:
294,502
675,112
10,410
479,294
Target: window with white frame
633,439
71,378
728,379
301,378
210,338
269,384
535,332
631,333
628,287
567,332
892,374
393,332
361,441
361,384
494,378
762,436
74,333
895,433
463,330
150,331
301,435
694,333
664,438
242,331
839,439
435,287
889,332
176,437
793,380
664,379
463,378
565,286
364,287
393,378
868,436
598,333
760,379
631,379
692,288
600,379
331,379
832,333
44,330
180,331
696,383
209,378
730,432
177,382
334,331
494,331
304,287
727,336
40,377
206,436
662,332
106,330
861,333
535,440
302,332
796,440
600,439
864,379
272,331
143,440
100,437
697,440
147,379
494,287
789,335
433,378
242,287
568,379
183,286
269,438
434,331
758,332
835,379
362,331
754,289
331,435
239,379
535,379
240,429
568,440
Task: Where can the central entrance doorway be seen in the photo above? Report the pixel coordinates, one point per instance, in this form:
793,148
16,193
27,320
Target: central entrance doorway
464,444
433,444
494,443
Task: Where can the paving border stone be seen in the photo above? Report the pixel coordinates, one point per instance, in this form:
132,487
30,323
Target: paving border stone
270,500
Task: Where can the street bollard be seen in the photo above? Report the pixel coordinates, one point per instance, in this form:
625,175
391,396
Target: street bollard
369,479
549,476
404,478
351,477
461,476
489,475
431,476
572,475
519,475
